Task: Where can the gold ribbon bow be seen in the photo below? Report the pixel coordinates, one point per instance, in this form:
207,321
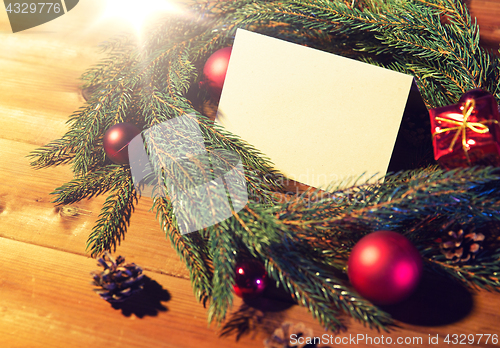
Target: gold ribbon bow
462,126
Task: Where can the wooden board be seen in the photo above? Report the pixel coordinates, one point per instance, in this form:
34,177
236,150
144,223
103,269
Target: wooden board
487,13
46,299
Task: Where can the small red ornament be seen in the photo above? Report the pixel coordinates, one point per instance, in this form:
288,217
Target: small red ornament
384,267
215,70
250,279
116,139
467,133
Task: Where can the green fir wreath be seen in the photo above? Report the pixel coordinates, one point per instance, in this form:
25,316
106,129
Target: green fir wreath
304,244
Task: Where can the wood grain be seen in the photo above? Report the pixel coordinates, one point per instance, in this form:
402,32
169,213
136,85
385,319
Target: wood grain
46,299
487,13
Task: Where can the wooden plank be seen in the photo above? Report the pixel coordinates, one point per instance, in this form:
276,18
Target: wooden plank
46,300
28,215
41,67
487,13
39,71
45,295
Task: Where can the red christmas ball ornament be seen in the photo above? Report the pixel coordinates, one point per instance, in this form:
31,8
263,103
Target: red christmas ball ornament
215,70
384,267
116,140
250,279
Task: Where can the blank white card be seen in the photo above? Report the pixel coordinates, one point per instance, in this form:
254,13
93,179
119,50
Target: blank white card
319,117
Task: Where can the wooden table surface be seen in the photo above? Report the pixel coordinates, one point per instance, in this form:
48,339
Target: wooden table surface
46,297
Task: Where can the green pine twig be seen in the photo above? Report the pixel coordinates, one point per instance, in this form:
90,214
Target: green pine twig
114,218
191,252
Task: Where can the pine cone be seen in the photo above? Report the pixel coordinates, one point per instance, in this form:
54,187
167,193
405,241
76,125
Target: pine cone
460,247
284,336
118,281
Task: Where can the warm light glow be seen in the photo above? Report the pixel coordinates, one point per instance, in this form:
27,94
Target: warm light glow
241,271
471,141
114,135
137,12
370,256
455,116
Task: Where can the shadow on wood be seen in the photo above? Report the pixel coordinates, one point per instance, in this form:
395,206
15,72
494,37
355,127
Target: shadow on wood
437,301
259,314
148,302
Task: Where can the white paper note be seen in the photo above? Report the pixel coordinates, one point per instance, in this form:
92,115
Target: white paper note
319,117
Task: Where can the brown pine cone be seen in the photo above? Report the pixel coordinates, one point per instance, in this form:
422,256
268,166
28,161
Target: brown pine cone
118,281
459,247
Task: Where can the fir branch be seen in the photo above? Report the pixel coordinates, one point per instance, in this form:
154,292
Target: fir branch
87,127
307,293
401,199
223,248
320,291
52,154
412,30
81,144
483,273
158,107
149,83
90,185
114,218
191,253
116,65
253,160
291,263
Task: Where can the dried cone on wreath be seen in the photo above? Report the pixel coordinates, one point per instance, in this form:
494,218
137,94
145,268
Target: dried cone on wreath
459,247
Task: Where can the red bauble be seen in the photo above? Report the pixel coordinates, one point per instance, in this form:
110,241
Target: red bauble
250,279
116,140
215,71
384,267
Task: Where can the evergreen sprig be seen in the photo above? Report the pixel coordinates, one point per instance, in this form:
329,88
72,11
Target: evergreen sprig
115,215
191,249
305,241
90,185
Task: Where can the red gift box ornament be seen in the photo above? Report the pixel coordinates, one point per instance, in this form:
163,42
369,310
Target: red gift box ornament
467,133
